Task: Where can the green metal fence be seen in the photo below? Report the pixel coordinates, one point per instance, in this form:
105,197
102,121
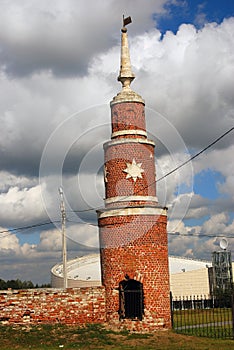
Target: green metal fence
205,317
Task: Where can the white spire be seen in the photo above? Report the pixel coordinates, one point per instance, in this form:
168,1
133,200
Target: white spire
126,75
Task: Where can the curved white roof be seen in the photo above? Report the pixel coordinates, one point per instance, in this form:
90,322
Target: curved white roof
87,268
179,264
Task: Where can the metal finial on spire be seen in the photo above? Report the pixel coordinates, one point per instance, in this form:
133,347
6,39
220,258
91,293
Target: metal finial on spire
126,21
125,75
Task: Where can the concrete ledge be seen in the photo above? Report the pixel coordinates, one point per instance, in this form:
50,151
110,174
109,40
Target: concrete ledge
132,211
128,140
129,132
130,199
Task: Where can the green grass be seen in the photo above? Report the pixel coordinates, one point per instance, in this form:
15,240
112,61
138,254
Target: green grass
199,316
51,337
211,332
215,323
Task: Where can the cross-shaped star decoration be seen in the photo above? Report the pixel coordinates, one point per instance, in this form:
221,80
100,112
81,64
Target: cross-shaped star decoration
134,170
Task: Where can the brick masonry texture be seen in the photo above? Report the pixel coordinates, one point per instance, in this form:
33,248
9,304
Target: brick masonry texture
71,306
116,159
134,245
137,246
128,116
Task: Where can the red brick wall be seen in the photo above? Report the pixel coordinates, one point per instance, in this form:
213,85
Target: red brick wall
116,159
73,306
128,116
132,228
137,246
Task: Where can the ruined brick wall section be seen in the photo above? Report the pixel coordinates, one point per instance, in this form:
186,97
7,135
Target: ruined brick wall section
137,246
71,306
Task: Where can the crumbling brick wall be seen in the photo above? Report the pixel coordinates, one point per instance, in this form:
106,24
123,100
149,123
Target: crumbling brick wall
71,306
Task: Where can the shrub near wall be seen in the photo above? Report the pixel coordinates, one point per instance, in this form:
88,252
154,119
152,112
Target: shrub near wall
71,306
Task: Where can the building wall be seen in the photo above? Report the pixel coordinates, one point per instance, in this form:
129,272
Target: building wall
127,116
118,154
141,254
84,271
190,283
88,304
73,306
132,226
57,282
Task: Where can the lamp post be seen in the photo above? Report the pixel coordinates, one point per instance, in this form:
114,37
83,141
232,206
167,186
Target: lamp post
64,246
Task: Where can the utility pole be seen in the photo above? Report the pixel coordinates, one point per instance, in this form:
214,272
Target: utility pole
64,245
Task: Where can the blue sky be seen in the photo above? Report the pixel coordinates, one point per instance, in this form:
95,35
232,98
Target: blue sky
195,12
59,64
206,183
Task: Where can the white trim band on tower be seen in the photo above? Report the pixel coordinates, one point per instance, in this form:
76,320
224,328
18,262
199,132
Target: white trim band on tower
128,140
129,132
127,95
132,211
131,198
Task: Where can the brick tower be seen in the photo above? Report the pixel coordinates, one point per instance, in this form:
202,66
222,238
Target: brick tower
132,226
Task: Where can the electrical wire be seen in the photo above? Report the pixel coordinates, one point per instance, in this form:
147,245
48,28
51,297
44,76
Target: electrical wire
198,235
9,231
196,155
170,172
89,224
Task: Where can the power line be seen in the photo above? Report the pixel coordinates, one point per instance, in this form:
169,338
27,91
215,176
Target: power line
170,172
11,230
199,234
188,234
91,209
81,223
196,155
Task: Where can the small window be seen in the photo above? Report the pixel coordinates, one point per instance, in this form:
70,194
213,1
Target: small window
131,299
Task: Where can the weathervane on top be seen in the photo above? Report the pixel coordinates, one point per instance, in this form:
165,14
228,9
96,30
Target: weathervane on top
126,21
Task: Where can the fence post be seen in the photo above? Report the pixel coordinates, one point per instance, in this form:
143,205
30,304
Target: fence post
172,310
232,301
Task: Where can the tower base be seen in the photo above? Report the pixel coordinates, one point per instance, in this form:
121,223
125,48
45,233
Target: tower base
135,272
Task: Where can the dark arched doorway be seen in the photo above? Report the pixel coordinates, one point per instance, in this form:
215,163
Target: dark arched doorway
131,299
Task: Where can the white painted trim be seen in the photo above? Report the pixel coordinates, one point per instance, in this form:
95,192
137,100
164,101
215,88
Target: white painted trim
131,198
127,95
128,140
129,132
132,211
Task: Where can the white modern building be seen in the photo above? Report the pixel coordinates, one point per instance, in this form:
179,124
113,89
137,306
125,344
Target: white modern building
187,276
84,271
